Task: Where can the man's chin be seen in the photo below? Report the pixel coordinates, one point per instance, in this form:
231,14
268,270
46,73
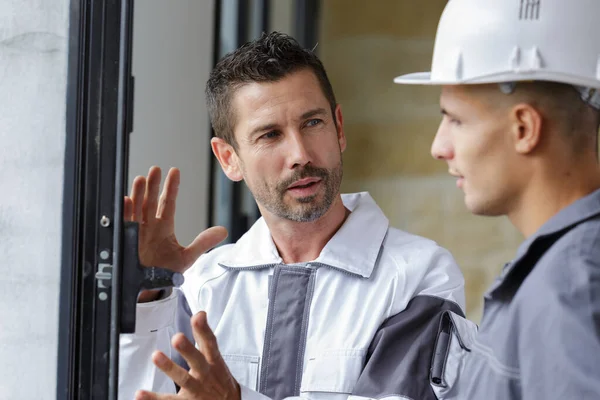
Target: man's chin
306,199
305,209
482,208
292,199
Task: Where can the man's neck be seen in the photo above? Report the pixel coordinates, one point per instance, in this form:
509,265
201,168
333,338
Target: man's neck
299,242
547,196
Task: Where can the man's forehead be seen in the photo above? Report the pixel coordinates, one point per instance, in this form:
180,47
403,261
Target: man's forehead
455,91
449,96
256,102
478,95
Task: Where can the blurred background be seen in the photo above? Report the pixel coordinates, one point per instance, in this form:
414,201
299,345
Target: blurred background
364,44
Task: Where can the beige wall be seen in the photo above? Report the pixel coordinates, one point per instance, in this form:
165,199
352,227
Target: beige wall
364,44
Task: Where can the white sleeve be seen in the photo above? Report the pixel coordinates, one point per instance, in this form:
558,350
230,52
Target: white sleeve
249,394
156,323
442,277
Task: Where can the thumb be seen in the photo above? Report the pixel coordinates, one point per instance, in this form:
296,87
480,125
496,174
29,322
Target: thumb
203,242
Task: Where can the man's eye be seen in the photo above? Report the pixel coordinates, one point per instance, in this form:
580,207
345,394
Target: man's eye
313,122
270,135
452,120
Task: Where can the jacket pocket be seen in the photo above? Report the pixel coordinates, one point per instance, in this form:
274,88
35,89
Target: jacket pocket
454,341
334,371
244,369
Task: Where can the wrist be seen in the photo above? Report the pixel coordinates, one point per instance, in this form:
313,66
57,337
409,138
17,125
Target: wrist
147,296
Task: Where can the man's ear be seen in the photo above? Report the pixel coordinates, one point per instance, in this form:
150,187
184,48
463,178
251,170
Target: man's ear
228,158
339,120
526,127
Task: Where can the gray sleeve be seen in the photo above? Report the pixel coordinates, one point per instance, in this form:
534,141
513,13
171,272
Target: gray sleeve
559,329
400,359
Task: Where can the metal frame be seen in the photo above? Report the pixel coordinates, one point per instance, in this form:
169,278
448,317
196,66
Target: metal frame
306,29
99,101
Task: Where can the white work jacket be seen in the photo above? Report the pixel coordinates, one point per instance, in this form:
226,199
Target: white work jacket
359,322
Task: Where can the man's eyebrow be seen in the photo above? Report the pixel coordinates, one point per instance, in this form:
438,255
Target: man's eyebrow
263,128
446,112
312,113
272,126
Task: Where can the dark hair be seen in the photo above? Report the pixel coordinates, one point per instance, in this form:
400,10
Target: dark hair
269,58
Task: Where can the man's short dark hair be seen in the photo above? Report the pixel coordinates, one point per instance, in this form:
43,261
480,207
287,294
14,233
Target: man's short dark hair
269,58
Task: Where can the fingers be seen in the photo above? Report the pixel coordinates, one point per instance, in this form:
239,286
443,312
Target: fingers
207,342
150,204
203,242
190,353
127,209
168,198
179,375
144,395
137,197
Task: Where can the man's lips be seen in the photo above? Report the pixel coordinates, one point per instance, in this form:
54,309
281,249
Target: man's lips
459,178
454,173
303,182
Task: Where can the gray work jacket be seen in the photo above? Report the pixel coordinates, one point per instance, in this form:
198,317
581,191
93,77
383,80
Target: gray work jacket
540,333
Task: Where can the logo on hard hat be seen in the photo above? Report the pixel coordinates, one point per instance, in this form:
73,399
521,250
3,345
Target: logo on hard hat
530,9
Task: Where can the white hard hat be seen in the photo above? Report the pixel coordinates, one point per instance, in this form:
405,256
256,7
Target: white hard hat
496,41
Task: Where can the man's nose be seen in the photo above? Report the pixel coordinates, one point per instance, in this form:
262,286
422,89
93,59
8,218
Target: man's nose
299,154
441,148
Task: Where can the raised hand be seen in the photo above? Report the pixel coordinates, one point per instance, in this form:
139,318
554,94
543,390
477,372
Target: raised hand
158,245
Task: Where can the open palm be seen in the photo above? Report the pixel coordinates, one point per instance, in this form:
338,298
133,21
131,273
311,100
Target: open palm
158,245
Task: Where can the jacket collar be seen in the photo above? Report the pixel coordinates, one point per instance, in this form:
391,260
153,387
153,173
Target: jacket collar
354,248
581,210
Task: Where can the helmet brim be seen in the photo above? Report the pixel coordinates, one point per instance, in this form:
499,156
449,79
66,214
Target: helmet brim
416,78
424,78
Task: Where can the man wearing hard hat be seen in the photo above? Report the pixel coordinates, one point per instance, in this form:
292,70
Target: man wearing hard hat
521,111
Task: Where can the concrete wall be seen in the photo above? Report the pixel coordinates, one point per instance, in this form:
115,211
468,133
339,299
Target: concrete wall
33,70
364,44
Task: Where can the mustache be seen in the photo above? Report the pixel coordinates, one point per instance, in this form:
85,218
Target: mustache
307,172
